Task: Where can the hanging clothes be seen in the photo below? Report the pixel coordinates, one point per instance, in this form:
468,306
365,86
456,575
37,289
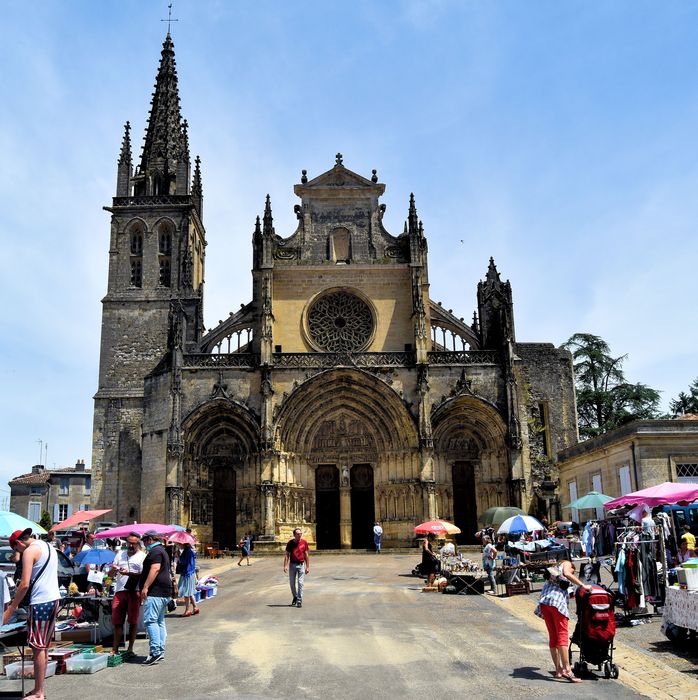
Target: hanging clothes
587,540
620,571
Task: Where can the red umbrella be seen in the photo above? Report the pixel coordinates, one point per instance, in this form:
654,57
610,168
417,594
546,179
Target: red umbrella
181,537
437,527
78,517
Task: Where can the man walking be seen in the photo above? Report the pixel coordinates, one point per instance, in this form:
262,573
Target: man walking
156,592
127,567
296,564
40,572
377,536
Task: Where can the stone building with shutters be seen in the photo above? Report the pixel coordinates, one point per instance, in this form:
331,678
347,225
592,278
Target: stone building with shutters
339,395
60,492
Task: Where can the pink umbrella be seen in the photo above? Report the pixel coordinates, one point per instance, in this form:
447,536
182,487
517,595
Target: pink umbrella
181,537
138,528
667,493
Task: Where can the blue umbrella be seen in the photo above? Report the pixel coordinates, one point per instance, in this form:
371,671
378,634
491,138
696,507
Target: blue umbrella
95,556
9,522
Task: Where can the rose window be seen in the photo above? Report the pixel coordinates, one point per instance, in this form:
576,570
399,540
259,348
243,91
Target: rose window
340,322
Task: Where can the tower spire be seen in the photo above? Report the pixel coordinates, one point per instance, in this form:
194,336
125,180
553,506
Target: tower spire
125,167
268,220
164,165
412,220
197,191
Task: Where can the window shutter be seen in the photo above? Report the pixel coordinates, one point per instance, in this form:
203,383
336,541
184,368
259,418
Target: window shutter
624,477
596,485
56,517
70,510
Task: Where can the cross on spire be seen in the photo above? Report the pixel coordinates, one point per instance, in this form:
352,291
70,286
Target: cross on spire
169,19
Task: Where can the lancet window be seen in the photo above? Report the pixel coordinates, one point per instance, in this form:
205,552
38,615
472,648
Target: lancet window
136,259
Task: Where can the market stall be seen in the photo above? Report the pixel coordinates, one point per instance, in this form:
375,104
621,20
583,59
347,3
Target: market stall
680,609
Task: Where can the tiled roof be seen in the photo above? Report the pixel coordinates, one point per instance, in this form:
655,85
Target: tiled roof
44,475
40,478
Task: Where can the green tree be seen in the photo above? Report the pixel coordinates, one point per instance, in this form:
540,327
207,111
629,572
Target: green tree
605,399
685,403
46,521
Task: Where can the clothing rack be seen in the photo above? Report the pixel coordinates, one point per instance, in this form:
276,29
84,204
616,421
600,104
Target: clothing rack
625,541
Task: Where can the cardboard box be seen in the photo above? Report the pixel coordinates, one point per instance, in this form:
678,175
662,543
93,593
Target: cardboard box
75,635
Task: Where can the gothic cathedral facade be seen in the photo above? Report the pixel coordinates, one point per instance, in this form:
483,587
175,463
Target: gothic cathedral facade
339,395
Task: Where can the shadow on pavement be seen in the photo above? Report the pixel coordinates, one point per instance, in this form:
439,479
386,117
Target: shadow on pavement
531,673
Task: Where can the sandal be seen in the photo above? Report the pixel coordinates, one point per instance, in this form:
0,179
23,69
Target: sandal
196,611
188,613
571,677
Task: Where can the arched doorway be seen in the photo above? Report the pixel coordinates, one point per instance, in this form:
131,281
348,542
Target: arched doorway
470,451
327,506
464,501
343,418
362,506
224,506
220,439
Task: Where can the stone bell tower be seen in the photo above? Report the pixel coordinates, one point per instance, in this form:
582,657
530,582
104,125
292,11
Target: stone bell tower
153,309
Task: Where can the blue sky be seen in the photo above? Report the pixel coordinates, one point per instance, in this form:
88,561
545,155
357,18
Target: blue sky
559,138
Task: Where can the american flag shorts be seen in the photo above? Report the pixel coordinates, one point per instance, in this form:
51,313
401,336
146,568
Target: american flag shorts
40,624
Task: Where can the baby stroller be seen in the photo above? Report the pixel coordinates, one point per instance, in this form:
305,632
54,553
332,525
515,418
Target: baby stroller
595,631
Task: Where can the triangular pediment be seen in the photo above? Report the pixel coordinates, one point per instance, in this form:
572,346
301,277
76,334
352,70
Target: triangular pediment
339,178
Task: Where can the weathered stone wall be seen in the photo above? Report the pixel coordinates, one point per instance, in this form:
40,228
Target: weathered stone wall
550,376
116,457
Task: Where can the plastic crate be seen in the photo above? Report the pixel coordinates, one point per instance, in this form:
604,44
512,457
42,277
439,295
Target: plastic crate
86,663
14,671
115,660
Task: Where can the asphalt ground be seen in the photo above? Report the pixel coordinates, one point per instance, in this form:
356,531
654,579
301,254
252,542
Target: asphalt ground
366,630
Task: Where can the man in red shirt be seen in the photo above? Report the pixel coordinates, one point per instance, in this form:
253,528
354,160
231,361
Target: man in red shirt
296,564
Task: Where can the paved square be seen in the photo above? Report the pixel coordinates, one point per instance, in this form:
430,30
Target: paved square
365,631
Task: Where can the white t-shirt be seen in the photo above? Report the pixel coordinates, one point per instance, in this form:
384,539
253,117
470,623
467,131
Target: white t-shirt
134,564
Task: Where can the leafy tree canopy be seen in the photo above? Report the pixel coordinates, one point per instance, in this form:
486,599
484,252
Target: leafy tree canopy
605,399
686,402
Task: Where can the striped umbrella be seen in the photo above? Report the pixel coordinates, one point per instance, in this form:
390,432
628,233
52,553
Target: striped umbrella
520,524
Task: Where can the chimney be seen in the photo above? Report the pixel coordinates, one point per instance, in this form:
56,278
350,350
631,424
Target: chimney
37,469
80,465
